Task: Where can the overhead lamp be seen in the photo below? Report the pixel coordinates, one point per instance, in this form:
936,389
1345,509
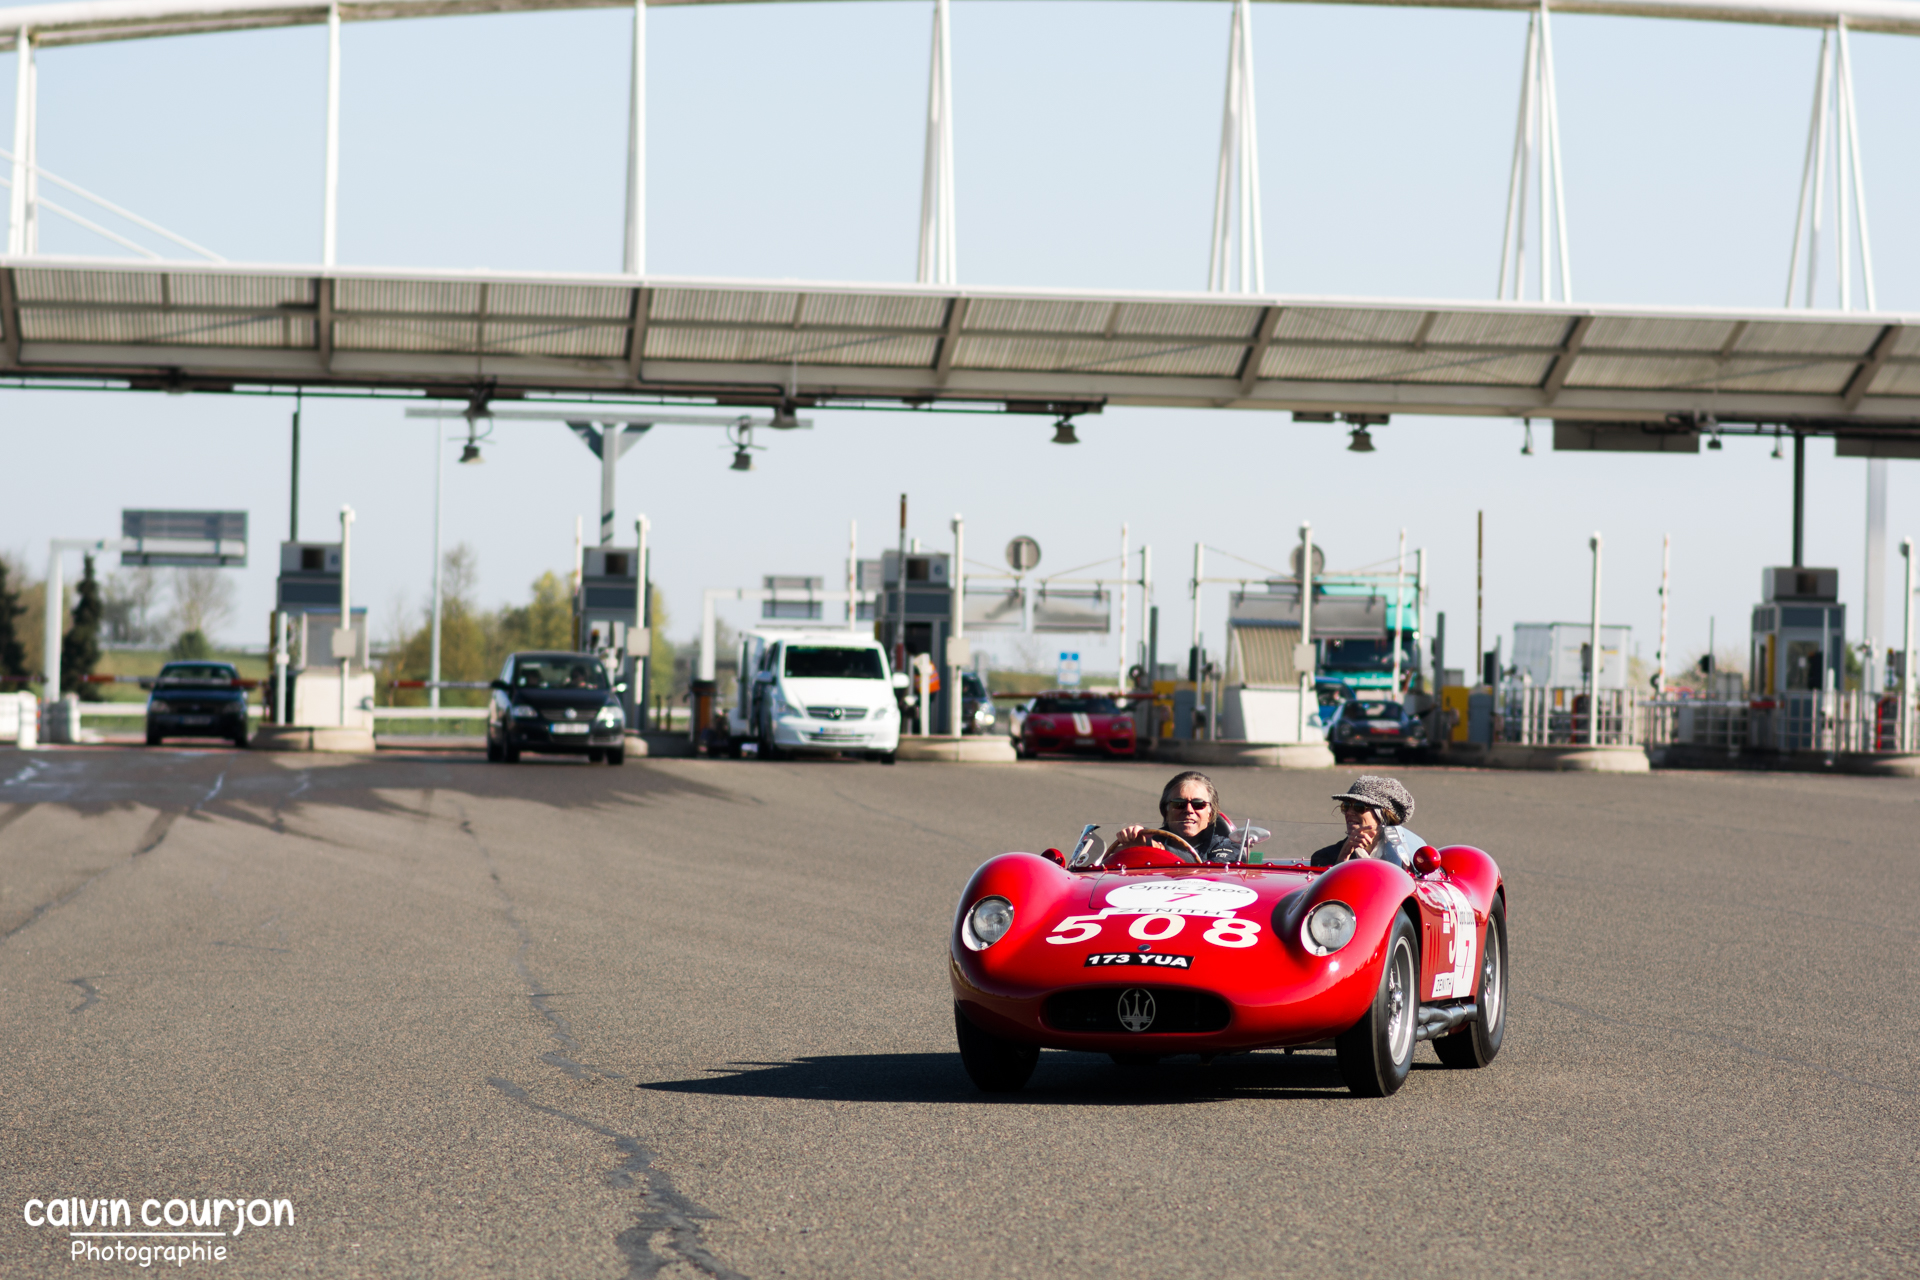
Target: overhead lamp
1776,446
1714,441
1526,447
742,460
1063,432
1362,441
470,454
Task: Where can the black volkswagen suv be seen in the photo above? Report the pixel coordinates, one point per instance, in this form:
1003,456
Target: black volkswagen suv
559,703
197,700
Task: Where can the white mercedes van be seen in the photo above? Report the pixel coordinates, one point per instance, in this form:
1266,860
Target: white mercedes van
815,691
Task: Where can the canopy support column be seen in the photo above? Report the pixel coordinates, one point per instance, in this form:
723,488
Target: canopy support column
633,258
1237,184
330,207
938,263
23,215
1537,163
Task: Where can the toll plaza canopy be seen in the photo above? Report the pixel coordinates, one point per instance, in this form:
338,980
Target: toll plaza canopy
486,336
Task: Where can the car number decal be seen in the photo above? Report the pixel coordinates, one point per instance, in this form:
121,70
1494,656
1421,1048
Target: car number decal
1180,898
1149,959
1457,927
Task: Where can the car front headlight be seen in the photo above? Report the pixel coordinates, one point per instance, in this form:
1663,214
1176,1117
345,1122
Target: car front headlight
521,711
1328,928
159,708
883,712
987,923
786,710
611,715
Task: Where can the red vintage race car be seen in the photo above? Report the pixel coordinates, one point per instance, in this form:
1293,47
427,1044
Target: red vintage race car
1075,723
1145,951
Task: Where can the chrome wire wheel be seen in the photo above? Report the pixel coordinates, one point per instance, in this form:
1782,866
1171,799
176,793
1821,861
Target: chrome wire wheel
1400,982
1492,973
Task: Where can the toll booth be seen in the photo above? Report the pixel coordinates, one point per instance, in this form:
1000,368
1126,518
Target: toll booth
608,621
914,615
307,629
1798,654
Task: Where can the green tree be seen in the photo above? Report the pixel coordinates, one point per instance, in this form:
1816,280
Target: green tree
190,646
13,652
544,623
80,650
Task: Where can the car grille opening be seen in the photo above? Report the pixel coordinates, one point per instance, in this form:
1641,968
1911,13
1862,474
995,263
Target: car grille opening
837,713
1096,1010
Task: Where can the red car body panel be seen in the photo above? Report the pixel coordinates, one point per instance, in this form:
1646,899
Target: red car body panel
1053,732
1238,940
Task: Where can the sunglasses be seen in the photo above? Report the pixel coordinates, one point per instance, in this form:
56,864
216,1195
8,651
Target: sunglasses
1189,802
1354,806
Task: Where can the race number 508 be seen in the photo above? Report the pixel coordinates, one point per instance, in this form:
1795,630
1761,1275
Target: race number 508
1230,932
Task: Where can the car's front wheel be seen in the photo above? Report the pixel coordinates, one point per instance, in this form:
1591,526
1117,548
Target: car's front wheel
995,1065
1476,1044
153,738
1376,1053
616,755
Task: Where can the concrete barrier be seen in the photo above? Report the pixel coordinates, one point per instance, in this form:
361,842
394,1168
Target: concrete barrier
1559,758
1226,752
300,737
986,748
1871,764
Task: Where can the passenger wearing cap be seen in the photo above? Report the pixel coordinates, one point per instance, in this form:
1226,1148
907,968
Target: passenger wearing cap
1376,810
1189,809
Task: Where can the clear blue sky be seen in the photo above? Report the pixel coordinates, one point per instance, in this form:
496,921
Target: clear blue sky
785,142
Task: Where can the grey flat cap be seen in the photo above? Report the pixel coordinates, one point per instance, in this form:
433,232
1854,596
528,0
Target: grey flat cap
1394,801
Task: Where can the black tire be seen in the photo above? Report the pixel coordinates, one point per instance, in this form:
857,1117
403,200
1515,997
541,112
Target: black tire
735,747
595,756
616,755
493,750
154,739
240,737
1377,1052
768,751
995,1065
509,754
886,757
1476,1044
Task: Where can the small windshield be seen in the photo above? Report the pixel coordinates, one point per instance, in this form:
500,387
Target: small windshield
833,662
1075,706
559,672
972,685
1373,711
179,673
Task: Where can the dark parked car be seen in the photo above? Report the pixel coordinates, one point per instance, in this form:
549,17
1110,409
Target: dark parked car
976,706
560,703
197,700
1375,726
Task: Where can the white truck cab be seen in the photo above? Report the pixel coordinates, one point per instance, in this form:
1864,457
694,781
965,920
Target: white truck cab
814,691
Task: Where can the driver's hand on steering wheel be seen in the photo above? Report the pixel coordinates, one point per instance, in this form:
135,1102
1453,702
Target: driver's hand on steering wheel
1129,835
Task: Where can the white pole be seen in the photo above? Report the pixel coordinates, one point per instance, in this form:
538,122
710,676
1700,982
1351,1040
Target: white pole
610,441
633,258
1593,665
1543,158
330,207
439,478
1802,209
1906,651
50,634
1250,158
30,216
1873,610
1122,610
1399,607
1822,95
1666,571
1194,659
937,256
1513,239
1306,628
853,575
1550,99
957,585
1841,176
1146,605
22,132
643,617
1859,174
1220,253
346,602
707,640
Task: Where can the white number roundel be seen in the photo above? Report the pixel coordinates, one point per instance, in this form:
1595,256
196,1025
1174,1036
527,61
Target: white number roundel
1157,928
1233,933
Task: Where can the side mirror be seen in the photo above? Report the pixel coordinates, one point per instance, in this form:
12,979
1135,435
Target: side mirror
1426,860
900,680
501,685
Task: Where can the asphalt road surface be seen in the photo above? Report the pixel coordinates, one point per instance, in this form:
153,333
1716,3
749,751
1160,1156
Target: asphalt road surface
691,1018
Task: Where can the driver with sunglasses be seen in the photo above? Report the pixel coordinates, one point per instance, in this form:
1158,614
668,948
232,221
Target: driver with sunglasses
1376,810
1190,811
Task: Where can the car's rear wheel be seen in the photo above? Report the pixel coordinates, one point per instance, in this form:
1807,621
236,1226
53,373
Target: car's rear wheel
1476,1044
995,1065
1376,1053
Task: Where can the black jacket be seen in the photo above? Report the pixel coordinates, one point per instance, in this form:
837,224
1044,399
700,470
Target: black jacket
1330,855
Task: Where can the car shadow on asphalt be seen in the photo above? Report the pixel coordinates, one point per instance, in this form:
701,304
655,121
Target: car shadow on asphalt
1077,1079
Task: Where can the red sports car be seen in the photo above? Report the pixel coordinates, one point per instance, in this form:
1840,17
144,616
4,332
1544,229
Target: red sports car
1144,951
1075,722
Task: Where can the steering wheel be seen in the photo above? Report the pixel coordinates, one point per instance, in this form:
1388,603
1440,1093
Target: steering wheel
1171,842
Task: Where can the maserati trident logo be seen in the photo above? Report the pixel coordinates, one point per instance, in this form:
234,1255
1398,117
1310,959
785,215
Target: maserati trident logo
1135,1009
